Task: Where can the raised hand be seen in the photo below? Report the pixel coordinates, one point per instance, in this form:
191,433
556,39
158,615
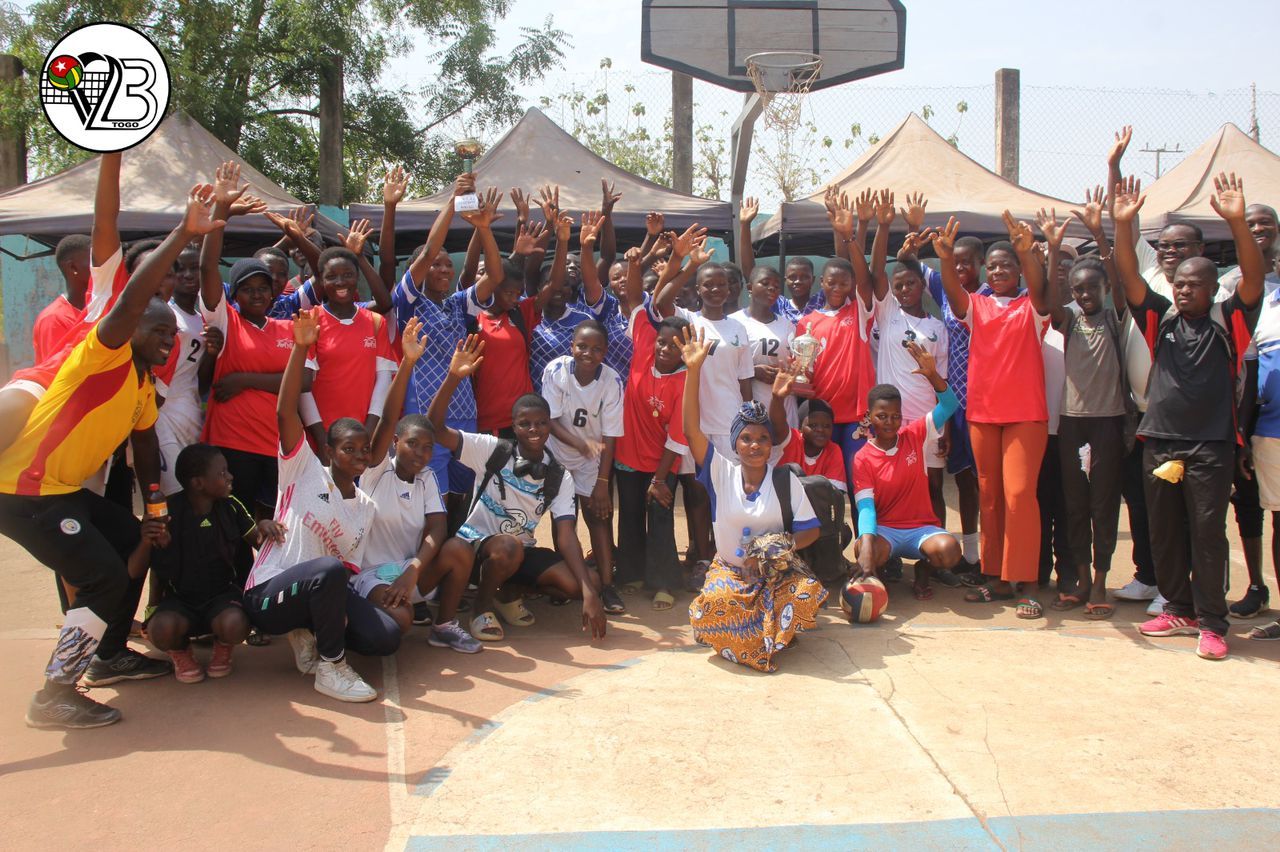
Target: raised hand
303,218
1020,234
1049,227
468,355
913,213
355,238
213,340
306,327
521,201
1228,200
413,340
488,212
1127,199
927,365
608,197
199,217
944,241
564,227
865,205
246,205
549,201
653,223
464,184
591,223
394,186
1091,215
914,241
683,244
694,346
884,208
1121,144
633,256
527,236
750,209
831,198
699,254
226,183
663,244
784,379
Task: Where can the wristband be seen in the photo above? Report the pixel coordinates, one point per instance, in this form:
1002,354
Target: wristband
602,479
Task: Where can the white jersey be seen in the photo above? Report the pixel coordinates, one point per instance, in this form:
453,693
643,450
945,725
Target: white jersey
514,507
400,520
894,364
770,347
318,520
181,390
592,411
729,362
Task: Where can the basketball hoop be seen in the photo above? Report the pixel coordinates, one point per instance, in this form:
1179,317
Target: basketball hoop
782,79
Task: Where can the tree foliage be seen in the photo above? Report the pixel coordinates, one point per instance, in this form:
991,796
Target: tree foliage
249,71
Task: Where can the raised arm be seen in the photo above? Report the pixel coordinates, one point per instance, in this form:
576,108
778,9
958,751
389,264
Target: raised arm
1228,202
471,263
843,225
695,349
653,225
463,185
1116,154
482,220
1024,244
106,211
115,329
414,343
226,189
673,278
1091,217
783,381
1127,199
592,224
1053,233
306,331
944,246
746,253
879,248
864,207
468,355
608,238
393,190
634,287
354,240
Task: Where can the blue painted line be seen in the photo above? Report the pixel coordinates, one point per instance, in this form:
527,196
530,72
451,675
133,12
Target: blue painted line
625,664
543,694
483,731
432,780
1120,832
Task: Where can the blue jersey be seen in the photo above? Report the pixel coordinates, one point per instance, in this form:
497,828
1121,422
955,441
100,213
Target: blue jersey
609,312
551,339
444,323
785,308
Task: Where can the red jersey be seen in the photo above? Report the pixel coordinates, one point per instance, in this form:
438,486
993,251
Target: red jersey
844,371
349,356
498,382
97,301
247,421
52,325
1006,364
829,463
652,405
896,479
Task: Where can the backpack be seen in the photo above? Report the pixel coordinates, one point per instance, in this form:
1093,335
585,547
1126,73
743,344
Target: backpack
825,556
498,460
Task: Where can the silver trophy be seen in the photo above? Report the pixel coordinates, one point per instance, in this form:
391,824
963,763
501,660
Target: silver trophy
804,350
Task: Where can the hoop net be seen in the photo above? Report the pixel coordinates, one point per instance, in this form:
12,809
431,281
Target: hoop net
783,78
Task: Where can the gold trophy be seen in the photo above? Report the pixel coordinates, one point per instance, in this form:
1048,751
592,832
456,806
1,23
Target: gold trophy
468,149
804,351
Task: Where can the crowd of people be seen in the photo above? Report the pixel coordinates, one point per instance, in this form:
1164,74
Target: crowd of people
344,454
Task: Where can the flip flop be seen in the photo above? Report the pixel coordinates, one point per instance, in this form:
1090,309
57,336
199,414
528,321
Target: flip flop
1066,602
486,628
514,613
1266,633
1098,611
663,601
1029,608
633,588
922,593
986,594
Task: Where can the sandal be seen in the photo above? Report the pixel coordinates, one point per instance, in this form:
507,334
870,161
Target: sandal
922,593
613,604
514,613
698,575
633,588
1098,611
987,594
1066,602
663,600
1029,608
486,628
1266,633
258,639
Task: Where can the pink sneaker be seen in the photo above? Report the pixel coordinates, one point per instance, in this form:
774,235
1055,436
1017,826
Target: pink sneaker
220,662
1211,645
1165,624
185,666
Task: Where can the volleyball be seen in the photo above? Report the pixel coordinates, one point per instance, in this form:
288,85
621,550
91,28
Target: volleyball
864,599
65,72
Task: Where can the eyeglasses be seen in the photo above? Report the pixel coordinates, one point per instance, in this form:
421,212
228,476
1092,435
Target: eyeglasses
1176,245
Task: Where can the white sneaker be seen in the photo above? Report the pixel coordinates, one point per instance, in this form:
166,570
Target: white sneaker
305,655
1157,605
338,680
1136,591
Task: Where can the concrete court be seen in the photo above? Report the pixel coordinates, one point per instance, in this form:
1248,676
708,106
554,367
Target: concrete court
944,726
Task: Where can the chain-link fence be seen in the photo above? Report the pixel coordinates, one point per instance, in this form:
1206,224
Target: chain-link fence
1065,132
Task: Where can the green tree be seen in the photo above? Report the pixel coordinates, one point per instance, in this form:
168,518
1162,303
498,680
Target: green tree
250,71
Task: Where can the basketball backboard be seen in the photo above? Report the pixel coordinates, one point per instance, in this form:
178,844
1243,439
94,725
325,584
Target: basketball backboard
711,39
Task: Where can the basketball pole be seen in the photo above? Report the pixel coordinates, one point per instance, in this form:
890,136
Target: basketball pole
739,161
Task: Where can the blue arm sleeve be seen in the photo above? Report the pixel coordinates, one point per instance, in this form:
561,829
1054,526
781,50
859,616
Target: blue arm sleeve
947,405
866,516
933,282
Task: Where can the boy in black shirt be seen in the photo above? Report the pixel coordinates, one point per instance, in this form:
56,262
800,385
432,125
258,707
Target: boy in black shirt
201,553
1191,430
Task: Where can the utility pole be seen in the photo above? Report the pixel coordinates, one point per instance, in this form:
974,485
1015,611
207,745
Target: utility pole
331,99
1008,122
13,145
681,132
1176,149
1253,112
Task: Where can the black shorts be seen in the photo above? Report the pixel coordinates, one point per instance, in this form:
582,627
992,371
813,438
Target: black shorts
199,617
537,561
254,478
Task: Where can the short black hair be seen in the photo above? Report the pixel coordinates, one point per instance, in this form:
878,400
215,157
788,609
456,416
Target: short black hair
732,269
801,260
272,251
907,263
761,271
810,407
341,428
531,400
973,244
1183,224
340,253
1004,246
137,250
592,325
837,263
415,421
710,268
193,461
675,323
883,393
1089,264
69,245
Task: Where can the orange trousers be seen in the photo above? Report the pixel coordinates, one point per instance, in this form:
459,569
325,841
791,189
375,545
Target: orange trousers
1008,459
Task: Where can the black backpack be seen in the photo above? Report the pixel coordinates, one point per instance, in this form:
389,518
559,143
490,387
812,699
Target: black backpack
825,556
498,460
514,316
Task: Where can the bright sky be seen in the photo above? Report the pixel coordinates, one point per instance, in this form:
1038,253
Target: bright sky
1180,45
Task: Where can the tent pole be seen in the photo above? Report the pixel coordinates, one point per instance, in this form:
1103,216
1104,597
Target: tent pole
739,159
782,250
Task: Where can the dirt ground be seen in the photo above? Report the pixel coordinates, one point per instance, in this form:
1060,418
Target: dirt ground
944,725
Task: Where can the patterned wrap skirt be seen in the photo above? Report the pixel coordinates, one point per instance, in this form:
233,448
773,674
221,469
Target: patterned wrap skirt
747,622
